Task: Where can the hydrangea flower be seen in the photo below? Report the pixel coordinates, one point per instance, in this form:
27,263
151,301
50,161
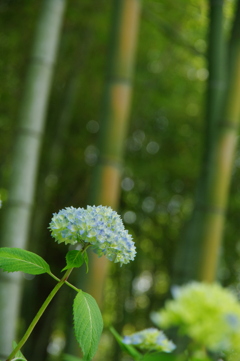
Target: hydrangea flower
99,226
207,313
150,339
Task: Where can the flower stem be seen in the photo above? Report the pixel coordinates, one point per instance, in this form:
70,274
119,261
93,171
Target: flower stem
39,313
66,282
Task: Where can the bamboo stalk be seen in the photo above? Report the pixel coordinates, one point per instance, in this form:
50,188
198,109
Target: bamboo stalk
17,215
105,187
187,260
220,174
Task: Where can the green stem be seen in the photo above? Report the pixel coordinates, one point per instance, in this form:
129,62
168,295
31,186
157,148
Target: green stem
45,304
39,314
67,283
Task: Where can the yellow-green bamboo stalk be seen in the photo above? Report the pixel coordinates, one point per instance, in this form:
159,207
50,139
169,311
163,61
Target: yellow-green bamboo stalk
220,174
17,214
234,38
105,188
206,229
187,260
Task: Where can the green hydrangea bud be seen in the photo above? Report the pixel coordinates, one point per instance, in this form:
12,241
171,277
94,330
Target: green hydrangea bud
207,313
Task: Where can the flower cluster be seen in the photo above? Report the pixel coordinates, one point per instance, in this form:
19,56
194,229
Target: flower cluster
99,226
207,313
150,339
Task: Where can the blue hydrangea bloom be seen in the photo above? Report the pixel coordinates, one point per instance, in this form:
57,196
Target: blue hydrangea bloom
150,339
99,226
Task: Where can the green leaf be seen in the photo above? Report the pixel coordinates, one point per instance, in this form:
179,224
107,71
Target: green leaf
18,353
17,259
67,357
85,256
127,348
88,323
199,358
159,356
74,259
19,356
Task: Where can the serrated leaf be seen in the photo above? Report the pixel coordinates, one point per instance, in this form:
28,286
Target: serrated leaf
74,259
67,357
88,323
127,348
17,259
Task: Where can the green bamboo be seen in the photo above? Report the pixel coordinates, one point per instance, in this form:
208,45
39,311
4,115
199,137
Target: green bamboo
57,143
187,260
25,159
105,187
52,165
216,67
222,158
234,37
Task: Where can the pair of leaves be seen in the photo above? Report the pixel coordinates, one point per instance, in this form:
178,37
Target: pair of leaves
88,324
16,259
75,259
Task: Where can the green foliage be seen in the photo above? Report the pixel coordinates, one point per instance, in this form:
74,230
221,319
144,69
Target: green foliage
167,109
88,323
157,356
67,357
74,259
196,358
16,259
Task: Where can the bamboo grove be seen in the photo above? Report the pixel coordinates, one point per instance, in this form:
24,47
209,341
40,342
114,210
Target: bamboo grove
131,104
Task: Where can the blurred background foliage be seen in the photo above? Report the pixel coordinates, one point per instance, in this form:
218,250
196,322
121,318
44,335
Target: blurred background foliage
162,159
